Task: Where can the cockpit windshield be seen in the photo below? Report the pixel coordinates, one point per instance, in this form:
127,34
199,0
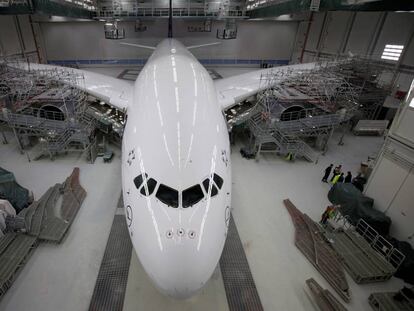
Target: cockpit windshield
192,196
206,185
167,195
148,187
139,179
144,185
218,180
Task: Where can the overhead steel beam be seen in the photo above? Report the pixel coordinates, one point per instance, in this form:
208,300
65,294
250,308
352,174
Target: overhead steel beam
322,34
19,34
306,37
288,7
402,56
348,30
377,31
47,7
296,6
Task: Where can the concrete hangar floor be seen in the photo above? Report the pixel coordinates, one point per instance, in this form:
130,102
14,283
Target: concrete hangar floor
62,277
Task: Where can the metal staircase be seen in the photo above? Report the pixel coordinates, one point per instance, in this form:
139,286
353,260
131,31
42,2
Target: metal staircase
75,137
311,124
59,142
58,135
293,107
269,138
45,104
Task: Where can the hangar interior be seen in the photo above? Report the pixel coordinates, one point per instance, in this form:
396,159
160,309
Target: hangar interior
64,241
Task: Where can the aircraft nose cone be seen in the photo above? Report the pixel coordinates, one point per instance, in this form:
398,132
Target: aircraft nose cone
181,258
184,279
180,290
181,271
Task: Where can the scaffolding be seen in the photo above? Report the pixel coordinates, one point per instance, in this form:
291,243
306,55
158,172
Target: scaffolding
298,107
46,105
366,74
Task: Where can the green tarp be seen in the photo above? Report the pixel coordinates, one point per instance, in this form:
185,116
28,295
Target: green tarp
11,191
356,205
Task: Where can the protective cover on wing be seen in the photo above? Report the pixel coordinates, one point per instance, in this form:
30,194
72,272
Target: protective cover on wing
235,89
116,92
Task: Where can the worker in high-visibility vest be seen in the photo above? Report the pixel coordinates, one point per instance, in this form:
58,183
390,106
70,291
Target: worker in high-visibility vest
337,171
290,156
329,213
336,178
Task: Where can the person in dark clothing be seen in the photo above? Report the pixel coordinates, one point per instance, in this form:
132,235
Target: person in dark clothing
341,178
329,212
327,172
359,182
337,171
348,177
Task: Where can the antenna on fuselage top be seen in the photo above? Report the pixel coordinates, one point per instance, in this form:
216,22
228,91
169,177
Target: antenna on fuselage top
170,35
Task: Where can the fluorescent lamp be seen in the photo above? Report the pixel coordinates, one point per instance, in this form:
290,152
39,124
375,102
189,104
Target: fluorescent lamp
393,49
392,52
392,46
389,57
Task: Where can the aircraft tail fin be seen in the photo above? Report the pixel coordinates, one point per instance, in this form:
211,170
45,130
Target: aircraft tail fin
139,46
202,45
170,13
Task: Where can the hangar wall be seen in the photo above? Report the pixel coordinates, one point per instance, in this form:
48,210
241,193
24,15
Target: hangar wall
16,35
366,33
391,183
330,34
391,186
338,33
85,40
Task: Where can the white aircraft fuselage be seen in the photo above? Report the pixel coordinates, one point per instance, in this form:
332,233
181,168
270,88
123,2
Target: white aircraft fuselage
176,171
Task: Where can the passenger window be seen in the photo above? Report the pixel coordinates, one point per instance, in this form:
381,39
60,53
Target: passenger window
192,195
138,180
218,180
151,183
167,195
206,184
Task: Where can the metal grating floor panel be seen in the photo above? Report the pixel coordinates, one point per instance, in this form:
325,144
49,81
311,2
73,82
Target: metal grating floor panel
238,281
112,278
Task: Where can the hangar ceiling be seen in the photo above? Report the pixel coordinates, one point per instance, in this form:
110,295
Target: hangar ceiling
181,8
211,9
273,8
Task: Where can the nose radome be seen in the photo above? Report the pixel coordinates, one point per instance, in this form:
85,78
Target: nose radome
187,255
180,290
183,270
179,285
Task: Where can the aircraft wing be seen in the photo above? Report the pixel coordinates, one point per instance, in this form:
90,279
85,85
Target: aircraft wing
116,92
235,89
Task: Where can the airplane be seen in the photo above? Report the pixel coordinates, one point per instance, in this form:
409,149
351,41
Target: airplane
176,167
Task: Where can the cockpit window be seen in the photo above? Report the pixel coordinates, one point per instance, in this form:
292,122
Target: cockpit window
151,183
167,195
206,184
139,179
218,180
192,195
